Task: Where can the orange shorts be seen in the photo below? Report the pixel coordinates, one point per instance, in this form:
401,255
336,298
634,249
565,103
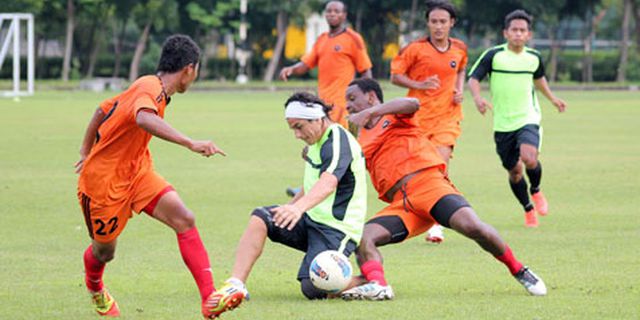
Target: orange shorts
441,133
422,192
106,221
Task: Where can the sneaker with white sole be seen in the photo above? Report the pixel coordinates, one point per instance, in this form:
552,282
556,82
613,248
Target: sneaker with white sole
531,282
371,291
435,234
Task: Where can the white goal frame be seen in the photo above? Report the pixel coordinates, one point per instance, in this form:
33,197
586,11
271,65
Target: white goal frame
12,35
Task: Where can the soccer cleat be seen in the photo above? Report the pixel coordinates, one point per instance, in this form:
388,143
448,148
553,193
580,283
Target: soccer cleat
435,234
530,219
105,304
531,282
371,291
540,202
226,298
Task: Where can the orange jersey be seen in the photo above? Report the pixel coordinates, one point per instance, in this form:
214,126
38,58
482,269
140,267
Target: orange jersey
337,58
120,155
395,148
420,60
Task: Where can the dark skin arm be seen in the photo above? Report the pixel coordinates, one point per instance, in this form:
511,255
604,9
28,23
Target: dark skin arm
370,116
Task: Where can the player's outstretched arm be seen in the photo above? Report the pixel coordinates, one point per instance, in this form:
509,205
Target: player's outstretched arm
89,137
481,103
430,83
296,70
542,85
288,215
156,126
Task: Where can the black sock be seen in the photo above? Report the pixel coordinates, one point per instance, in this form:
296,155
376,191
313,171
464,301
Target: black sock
520,191
535,175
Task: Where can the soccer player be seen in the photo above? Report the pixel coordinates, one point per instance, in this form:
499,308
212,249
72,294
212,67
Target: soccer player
328,214
338,54
433,69
409,174
117,174
516,71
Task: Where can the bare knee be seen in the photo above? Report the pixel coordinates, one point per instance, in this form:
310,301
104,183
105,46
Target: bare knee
516,173
104,254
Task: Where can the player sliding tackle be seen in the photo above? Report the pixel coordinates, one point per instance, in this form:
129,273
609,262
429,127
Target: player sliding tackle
328,214
408,173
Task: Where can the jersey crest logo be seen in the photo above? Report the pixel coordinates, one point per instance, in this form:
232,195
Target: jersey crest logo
385,124
338,48
453,64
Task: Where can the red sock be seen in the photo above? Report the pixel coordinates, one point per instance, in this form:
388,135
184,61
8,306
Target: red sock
373,271
510,260
93,270
197,260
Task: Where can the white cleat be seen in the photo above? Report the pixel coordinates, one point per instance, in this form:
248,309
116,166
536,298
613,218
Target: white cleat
435,234
531,282
371,291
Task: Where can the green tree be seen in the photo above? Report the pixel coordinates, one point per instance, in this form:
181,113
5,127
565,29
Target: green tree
158,14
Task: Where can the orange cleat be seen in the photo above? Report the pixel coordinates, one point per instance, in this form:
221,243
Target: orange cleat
227,298
530,219
540,202
105,304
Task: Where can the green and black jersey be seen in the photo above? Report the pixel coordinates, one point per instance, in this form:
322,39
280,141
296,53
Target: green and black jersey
513,92
338,153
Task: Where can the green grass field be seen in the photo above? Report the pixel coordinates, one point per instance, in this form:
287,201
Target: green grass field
587,249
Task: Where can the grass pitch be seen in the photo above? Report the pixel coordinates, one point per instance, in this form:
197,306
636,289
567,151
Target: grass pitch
587,249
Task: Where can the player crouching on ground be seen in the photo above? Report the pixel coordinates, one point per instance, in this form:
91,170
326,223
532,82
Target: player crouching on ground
408,173
328,214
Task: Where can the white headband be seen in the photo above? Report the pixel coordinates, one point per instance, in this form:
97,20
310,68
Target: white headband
307,111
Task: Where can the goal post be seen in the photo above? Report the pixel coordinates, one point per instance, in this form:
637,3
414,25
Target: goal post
12,35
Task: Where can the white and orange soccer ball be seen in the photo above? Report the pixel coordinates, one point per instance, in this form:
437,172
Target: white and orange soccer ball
330,271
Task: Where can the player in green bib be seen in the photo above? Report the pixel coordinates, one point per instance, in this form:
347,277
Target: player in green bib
515,72
328,214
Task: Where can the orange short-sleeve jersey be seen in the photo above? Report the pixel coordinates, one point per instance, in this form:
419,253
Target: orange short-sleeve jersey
120,154
420,60
337,58
394,148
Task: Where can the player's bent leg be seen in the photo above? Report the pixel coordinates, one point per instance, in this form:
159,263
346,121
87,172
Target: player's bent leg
95,258
310,291
170,210
467,223
377,232
250,246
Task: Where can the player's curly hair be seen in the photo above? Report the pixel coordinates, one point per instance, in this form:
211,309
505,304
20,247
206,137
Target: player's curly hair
309,99
178,51
518,15
439,4
367,85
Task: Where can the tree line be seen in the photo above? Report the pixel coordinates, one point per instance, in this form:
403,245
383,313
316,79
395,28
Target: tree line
126,35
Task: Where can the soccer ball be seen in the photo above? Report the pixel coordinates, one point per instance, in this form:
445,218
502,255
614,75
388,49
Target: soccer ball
330,271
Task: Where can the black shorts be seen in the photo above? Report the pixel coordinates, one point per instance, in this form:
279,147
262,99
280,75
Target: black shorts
508,143
307,236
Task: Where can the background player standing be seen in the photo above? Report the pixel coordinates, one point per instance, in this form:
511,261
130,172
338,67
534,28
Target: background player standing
516,71
338,54
117,175
433,69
